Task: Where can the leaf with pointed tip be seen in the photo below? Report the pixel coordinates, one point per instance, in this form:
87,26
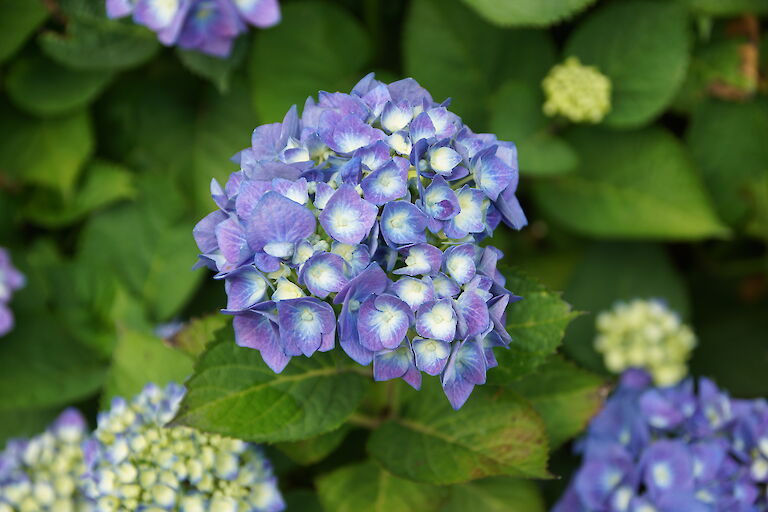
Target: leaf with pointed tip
18,19
494,433
234,393
495,494
312,450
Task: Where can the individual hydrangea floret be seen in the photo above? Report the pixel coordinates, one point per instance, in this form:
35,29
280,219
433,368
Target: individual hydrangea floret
645,334
360,221
688,447
208,26
579,93
43,473
134,462
10,281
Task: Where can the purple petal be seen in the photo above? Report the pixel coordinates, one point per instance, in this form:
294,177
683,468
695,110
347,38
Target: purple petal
431,355
395,117
205,231
231,238
356,257
667,467
376,98
391,364
443,160
497,311
374,156
323,193
421,128
459,262
464,370
445,286
403,223
437,320
323,273
295,190
509,207
265,262
119,8
155,14
409,91
306,325
446,123
370,281
414,292
351,134
347,217
245,288
276,218
260,13
248,195
254,330
491,174
349,339
420,259
470,218
387,183
383,323
473,317
6,319
440,201
352,171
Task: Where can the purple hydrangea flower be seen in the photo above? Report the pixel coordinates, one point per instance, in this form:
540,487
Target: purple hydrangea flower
685,447
375,202
10,281
208,26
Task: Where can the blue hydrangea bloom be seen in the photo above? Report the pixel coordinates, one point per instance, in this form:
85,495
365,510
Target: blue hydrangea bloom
359,220
133,462
10,280
688,447
208,26
42,473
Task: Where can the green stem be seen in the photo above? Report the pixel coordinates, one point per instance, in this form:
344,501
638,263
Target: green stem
362,420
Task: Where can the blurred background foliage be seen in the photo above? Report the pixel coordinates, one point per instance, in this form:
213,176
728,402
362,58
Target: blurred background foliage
108,142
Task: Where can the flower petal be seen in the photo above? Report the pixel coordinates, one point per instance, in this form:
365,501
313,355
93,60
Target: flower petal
459,262
440,201
414,292
260,13
323,273
383,323
276,218
245,288
387,183
420,259
464,370
306,325
347,217
254,330
403,223
431,355
437,320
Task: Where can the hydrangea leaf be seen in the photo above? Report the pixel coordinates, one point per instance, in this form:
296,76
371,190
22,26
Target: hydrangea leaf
565,396
313,450
630,185
527,12
495,494
140,357
105,183
302,499
727,141
457,39
215,69
18,19
516,115
233,392
45,88
25,422
494,433
536,323
47,152
727,7
199,332
330,55
642,46
609,272
366,487
93,43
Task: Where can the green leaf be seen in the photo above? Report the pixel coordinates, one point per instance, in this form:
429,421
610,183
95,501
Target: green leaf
223,127
329,55
216,69
642,46
727,7
495,494
199,332
302,499
140,358
727,141
611,272
45,88
516,115
368,488
93,43
536,323
527,12
48,152
105,183
757,191
565,396
18,19
24,422
455,54
234,393
147,246
313,450
630,185
494,433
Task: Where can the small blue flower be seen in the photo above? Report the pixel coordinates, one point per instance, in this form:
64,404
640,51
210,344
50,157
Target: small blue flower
10,281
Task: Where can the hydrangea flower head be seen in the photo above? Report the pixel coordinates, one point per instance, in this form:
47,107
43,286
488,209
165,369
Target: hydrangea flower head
208,26
359,221
10,280
42,473
688,447
135,463
579,93
645,334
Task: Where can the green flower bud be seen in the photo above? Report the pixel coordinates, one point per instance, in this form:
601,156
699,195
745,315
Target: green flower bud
577,92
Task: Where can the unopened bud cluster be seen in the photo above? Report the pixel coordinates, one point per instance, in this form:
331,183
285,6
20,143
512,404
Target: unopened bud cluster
579,93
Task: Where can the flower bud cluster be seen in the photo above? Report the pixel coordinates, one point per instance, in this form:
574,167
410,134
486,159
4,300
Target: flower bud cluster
208,26
134,462
10,281
579,93
645,334
688,447
43,473
375,202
